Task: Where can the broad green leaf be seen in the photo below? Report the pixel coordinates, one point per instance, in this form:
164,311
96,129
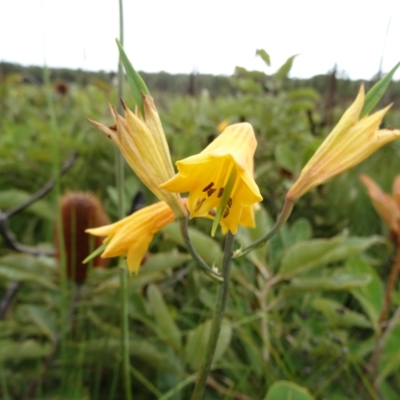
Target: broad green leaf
23,350
338,315
109,348
207,247
161,262
316,253
196,345
42,317
377,91
303,93
370,296
390,358
300,230
134,79
22,276
284,390
264,55
12,197
286,157
167,329
326,283
284,70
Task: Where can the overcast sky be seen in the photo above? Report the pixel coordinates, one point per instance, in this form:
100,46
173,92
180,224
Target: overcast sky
209,36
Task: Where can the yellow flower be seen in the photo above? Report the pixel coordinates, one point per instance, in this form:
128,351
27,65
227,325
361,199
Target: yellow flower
143,144
386,206
226,164
350,142
133,234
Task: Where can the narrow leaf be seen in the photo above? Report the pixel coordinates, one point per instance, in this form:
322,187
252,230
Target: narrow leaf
377,91
93,255
264,55
134,79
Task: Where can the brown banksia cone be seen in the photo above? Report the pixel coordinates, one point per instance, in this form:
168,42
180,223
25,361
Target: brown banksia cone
80,211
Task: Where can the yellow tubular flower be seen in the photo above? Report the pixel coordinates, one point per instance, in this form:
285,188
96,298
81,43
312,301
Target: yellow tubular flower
205,176
385,205
143,144
349,143
133,234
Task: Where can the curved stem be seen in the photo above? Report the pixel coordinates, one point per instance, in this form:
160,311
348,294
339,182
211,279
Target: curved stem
219,311
283,217
183,225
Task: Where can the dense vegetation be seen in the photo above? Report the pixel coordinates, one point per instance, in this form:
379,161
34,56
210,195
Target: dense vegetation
305,309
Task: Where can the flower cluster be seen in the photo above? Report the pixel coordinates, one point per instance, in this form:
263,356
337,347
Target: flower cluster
220,179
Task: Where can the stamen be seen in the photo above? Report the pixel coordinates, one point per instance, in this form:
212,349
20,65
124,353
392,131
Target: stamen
209,186
210,192
212,212
199,204
226,212
221,192
230,202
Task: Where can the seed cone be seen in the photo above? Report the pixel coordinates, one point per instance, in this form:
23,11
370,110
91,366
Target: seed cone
80,211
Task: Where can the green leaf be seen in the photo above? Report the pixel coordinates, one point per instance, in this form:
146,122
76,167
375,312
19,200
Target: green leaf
12,197
134,79
390,358
264,55
377,91
369,296
161,262
23,350
95,253
43,318
22,276
168,331
338,315
284,390
300,231
286,157
284,70
316,253
196,345
327,283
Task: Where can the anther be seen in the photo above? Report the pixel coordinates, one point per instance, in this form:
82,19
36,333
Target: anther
210,192
209,186
221,192
199,204
226,212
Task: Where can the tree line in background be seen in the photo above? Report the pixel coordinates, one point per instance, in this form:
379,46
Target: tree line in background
194,83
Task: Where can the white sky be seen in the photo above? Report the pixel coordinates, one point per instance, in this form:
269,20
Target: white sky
210,36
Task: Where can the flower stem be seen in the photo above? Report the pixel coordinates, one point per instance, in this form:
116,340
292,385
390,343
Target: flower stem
283,217
119,164
219,311
183,225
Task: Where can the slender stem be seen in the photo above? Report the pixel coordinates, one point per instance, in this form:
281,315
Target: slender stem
64,297
283,217
121,208
219,311
183,224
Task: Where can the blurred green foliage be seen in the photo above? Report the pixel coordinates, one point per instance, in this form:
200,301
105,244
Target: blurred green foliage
303,313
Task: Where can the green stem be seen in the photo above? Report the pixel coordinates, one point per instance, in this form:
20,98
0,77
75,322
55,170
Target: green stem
283,217
119,161
183,225
219,311
64,298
